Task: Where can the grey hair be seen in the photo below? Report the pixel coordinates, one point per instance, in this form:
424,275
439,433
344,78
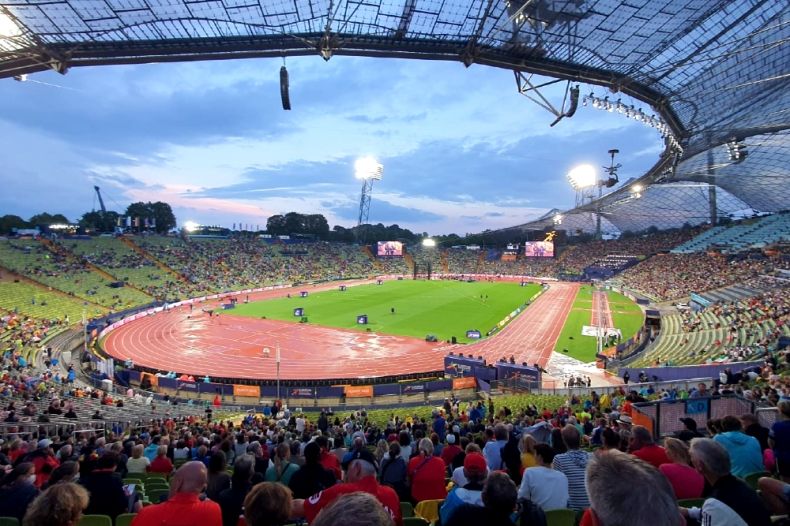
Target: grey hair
243,466
354,509
427,446
614,478
712,456
642,434
365,468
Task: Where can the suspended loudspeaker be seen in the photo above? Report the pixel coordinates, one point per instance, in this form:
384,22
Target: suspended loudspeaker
574,102
284,88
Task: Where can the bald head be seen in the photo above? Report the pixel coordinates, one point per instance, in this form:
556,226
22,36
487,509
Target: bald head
190,478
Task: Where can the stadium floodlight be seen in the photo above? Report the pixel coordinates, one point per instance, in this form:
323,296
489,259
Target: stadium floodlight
557,219
368,168
428,242
582,176
191,226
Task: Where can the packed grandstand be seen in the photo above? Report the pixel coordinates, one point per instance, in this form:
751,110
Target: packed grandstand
60,420
685,421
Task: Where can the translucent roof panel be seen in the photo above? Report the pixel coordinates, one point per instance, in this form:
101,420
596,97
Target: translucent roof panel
688,58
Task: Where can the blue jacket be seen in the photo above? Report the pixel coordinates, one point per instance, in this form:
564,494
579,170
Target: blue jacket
456,498
745,454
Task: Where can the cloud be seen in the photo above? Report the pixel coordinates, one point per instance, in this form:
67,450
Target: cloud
462,150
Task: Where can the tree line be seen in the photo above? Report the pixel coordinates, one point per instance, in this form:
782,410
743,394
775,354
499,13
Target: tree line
159,215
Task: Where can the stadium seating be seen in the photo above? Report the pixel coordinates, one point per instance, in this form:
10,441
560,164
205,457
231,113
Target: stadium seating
64,271
755,233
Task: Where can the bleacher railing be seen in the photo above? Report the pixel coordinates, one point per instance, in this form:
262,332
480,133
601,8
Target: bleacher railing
664,417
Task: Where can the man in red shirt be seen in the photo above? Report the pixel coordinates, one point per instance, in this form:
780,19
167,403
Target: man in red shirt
184,507
642,447
328,460
450,451
361,476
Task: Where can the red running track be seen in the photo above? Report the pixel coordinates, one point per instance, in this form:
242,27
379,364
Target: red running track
231,346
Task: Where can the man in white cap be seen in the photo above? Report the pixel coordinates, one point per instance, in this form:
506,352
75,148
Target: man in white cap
451,450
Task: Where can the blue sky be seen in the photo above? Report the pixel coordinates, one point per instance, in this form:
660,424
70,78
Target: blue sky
462,150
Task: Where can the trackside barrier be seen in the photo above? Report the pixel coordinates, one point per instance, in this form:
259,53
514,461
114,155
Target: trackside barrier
379,395
522,385
681,372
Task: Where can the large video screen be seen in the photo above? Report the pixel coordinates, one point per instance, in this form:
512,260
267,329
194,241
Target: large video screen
390,248
539,249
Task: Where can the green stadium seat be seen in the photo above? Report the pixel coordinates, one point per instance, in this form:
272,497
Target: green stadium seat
125,519
415,521
561,518
9,521
155,495
95,520
406,509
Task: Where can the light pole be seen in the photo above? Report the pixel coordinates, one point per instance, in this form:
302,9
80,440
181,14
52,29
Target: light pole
277,359
366,169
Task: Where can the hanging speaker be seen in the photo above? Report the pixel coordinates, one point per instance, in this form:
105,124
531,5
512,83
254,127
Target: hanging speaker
286,99
574,102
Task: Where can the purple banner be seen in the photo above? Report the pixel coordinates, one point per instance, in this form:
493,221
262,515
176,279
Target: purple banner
301,392
270,391
665,374
190,387
463,366
211,387
134,376
439,385
386,389
330,392
168,383
413,388
507,371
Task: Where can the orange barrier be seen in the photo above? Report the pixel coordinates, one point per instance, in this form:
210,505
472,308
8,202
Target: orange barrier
358,391
246,390
466,382
640,419
152,378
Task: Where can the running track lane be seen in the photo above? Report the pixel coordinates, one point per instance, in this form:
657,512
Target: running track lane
532,336
231,346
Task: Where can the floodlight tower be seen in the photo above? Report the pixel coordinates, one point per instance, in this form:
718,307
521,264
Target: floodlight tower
368,170
582,179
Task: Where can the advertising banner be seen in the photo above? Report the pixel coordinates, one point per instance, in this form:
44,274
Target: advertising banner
301,392
191,387
467,382
358,391
246,390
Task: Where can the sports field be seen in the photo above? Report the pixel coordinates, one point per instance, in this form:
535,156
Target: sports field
626,315
441,308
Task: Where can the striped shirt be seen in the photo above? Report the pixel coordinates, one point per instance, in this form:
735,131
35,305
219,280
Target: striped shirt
574,465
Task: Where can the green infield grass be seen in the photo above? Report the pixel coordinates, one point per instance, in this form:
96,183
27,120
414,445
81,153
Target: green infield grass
626,315
441,308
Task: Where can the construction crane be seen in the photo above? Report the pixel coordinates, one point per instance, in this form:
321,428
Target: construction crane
101,201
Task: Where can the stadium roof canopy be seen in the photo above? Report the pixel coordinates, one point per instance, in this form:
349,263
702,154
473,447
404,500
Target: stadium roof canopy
714,71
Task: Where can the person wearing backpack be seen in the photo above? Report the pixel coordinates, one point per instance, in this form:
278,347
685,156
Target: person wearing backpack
393,472
283,468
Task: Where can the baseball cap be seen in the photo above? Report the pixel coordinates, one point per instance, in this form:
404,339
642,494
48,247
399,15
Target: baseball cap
689,423
360,454
44,442
475,463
